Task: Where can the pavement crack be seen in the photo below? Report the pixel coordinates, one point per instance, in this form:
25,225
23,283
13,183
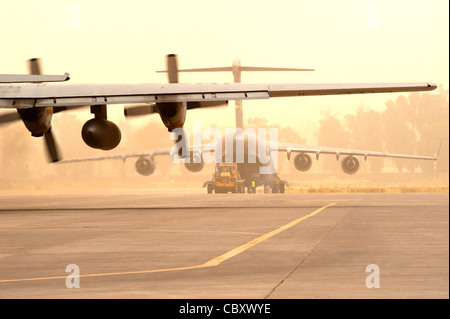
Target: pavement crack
286,277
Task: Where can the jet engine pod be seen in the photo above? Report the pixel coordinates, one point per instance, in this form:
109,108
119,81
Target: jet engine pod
302,162
195,163
145,165
101,134
350,165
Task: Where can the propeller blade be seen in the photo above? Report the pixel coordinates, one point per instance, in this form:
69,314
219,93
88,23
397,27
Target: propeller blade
52,149
172,68
200,104
9,117
139,109
34,66
58,109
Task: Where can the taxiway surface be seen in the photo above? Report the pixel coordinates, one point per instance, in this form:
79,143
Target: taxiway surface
139,244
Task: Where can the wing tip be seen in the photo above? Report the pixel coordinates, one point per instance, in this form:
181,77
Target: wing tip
432,85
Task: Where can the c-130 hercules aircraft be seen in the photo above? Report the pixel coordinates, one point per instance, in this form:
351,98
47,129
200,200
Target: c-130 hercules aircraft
36,98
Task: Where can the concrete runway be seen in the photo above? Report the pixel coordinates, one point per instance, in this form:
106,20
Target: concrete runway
141,244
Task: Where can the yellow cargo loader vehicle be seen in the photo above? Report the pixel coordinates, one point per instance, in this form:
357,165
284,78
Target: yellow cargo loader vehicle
226,178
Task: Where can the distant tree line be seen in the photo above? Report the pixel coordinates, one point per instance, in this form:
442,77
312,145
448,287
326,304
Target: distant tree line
413,124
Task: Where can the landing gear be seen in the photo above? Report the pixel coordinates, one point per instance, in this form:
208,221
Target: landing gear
282,188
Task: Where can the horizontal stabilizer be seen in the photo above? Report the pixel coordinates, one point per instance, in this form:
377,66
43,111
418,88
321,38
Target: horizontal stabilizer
258,68
32,78
242,68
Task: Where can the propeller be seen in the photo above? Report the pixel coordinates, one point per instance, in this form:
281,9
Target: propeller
172,76
139,109
34,66
145,109
134,110
52,149
54,154
9,117
50,143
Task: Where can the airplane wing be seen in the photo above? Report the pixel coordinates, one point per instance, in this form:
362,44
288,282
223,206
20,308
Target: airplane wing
349,164
318,150
22,96
145,164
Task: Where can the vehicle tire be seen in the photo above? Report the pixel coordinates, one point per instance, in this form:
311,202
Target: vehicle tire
210,189
276,189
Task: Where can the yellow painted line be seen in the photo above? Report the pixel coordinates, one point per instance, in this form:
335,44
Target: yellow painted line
218,260
211,263
104,274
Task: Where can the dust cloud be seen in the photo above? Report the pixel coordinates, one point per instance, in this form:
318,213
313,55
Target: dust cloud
411,124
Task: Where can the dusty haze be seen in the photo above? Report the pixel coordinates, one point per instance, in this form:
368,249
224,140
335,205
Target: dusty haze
345,41
411,124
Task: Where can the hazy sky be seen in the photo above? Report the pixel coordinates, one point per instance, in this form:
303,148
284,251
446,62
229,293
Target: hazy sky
126,41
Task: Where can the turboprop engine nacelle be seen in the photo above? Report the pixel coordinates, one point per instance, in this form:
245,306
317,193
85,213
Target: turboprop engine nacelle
172,114
101,134
350,165
302,162
36,120
145,165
